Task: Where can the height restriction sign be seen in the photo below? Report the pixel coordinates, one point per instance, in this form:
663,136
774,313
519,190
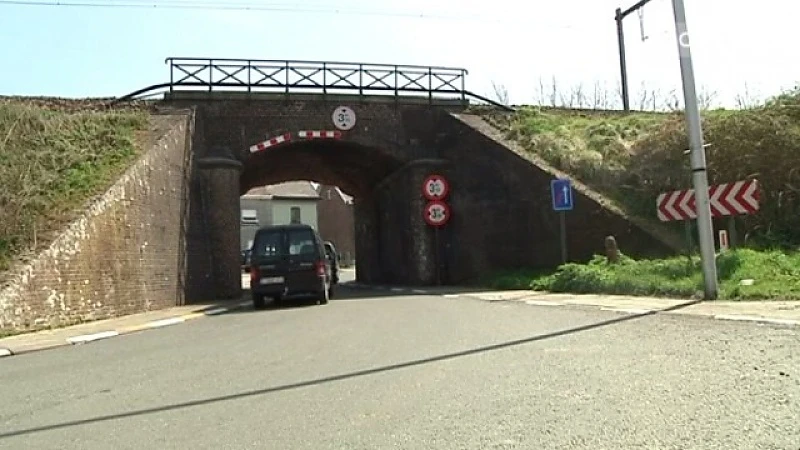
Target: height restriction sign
435,187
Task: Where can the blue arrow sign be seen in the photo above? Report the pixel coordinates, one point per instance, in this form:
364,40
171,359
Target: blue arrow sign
561,191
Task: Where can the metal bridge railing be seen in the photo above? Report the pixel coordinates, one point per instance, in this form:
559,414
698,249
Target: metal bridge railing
315,76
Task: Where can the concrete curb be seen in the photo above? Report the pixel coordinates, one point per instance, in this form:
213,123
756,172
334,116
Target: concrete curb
524,296
642,311
151,325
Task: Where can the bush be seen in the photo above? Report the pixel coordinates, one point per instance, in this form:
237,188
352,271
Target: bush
632,158
775,275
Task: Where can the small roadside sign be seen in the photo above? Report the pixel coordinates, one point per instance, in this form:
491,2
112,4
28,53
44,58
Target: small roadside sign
561,192
724,245
436,213
435,187
344,118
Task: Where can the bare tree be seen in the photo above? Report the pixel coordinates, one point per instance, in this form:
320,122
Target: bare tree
706,99
747,99
578,95
542,96
672,102
554,93
644,98
600,98
500,93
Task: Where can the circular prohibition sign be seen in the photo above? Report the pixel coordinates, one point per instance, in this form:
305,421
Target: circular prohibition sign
435,187
436,213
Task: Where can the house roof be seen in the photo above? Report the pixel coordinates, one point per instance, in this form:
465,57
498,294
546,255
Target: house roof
345,198
291,189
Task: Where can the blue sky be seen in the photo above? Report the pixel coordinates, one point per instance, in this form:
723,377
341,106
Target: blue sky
78,52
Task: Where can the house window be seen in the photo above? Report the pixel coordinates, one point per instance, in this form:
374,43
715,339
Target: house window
295,214
249,217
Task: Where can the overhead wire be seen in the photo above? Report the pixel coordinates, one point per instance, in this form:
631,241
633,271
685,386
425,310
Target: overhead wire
280,7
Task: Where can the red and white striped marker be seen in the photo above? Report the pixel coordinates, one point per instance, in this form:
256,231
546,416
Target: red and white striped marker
729,199
319,134
271,142
724,245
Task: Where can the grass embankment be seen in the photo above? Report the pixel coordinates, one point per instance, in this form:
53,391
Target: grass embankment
775,275
632,158
52,160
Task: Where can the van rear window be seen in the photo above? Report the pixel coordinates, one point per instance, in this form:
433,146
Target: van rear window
268,244
301,242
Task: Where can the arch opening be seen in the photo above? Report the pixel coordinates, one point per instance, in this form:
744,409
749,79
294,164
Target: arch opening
355,168
358,171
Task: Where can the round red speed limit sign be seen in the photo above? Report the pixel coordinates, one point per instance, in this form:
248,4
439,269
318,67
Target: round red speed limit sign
436,213
435,187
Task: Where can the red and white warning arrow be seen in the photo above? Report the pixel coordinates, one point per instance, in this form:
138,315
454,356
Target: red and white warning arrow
740,197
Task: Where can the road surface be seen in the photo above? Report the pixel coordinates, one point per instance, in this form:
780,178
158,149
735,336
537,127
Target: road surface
377,371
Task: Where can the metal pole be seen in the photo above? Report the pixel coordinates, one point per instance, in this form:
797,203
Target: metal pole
622,66
732,237
689,243
705,228
562,218
436,255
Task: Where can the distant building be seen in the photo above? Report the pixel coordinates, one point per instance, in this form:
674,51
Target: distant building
279,204
337,220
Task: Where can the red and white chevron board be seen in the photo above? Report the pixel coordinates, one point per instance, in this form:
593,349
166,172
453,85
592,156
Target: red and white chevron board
271,142
729,199
319,134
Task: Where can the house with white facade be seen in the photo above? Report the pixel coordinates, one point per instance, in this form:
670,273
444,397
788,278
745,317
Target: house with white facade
279,204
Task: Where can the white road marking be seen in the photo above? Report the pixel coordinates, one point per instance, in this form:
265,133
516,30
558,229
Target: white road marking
628,310
451,296
92,337
419,291
215,311
542,303
743,318
166,322
396,289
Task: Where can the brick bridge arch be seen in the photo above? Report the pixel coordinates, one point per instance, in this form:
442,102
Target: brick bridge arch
502,216
405,130
381,162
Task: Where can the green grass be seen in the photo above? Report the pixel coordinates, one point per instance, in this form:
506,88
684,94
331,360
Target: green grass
632,158
775,275
52,162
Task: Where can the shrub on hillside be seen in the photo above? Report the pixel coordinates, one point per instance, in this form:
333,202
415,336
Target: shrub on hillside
762,143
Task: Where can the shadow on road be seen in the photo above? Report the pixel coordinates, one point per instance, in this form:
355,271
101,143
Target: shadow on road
344,376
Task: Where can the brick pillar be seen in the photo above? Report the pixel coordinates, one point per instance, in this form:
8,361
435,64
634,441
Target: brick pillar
219,184
366,223
409,250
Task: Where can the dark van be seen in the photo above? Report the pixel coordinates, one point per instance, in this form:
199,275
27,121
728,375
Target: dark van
288,260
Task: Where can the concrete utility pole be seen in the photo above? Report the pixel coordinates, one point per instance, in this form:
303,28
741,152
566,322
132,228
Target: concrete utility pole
705,228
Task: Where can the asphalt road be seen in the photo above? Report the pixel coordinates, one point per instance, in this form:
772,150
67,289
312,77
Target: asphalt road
412,372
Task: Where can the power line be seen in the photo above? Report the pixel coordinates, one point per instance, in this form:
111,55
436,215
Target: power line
199,5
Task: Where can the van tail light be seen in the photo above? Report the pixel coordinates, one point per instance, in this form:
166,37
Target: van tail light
320,268
254,275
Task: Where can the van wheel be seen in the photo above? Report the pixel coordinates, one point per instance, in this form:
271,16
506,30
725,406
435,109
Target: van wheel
258,301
